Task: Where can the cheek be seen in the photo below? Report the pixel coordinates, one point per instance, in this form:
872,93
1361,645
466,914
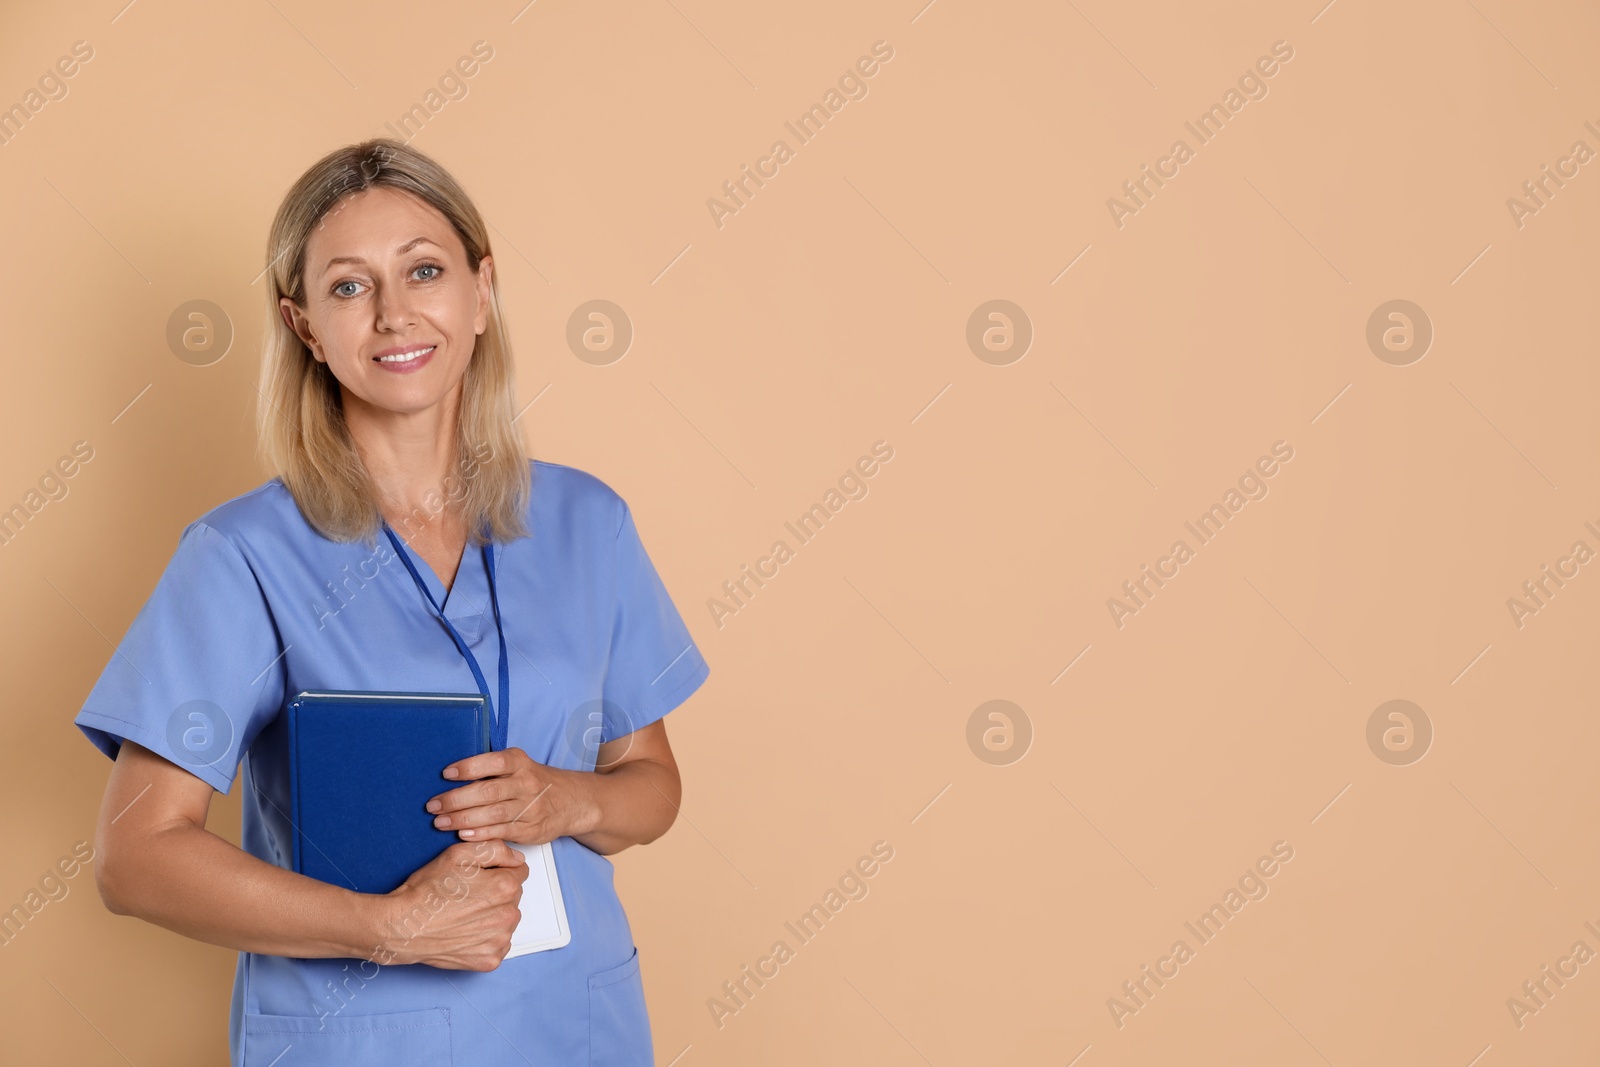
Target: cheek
343,332
455,314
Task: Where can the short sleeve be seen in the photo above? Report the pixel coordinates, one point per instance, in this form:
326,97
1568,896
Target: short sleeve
654,664
199,672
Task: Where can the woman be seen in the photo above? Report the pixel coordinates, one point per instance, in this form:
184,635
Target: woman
387,402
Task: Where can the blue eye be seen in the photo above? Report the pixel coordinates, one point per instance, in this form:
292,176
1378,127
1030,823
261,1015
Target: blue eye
342,288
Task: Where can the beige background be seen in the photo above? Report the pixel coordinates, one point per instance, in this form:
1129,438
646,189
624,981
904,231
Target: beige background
829,313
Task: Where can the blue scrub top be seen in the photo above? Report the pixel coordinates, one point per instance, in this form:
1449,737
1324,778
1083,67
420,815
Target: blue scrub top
256,606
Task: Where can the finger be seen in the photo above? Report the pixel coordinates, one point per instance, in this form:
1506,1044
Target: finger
481,815
486,764
501,851
490,853
468,857
470,796
501,833
510,809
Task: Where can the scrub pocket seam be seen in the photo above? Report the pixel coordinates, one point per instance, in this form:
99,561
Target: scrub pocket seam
368,1030
619,1020
379,1039
620,973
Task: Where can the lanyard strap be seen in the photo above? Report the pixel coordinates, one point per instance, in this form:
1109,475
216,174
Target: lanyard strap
499,713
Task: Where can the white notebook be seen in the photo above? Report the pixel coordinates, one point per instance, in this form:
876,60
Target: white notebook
544,913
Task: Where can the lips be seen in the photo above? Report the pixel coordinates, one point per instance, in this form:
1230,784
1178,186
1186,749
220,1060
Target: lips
404,354
405,359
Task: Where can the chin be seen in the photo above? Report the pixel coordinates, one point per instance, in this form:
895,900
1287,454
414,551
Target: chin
401,401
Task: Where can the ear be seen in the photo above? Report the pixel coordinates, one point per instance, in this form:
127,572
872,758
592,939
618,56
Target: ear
297,321
485,282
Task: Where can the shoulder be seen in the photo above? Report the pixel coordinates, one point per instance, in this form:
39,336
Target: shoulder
267,512
574,495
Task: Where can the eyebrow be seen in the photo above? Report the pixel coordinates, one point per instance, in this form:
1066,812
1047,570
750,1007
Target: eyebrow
402,250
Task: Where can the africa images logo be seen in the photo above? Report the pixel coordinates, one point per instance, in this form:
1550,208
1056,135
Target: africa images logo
1252,485
1252,85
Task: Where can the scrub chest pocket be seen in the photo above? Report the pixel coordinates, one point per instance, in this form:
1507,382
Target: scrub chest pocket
388,1040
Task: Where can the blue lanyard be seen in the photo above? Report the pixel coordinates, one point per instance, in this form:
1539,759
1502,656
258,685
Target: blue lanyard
498,732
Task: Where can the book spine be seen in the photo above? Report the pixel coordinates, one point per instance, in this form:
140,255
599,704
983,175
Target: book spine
294,784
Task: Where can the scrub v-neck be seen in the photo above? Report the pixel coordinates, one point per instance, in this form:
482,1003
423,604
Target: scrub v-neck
467,598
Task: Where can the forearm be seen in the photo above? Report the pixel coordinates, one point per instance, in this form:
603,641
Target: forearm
187,879
633,804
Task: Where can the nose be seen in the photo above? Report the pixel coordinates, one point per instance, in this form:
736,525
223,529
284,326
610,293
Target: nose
392,305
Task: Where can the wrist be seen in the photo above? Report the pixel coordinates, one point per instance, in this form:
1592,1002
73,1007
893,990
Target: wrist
375,928
585,810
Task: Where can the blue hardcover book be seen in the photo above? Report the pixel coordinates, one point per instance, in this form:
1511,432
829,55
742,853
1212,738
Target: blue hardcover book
362,765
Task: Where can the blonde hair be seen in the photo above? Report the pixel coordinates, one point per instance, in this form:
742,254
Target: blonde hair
301,430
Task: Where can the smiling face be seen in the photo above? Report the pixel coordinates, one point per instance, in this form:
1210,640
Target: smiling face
390,304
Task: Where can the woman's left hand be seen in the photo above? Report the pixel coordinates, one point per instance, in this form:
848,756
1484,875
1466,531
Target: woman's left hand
514,799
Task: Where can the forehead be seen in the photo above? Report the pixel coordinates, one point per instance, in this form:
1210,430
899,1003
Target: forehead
373,223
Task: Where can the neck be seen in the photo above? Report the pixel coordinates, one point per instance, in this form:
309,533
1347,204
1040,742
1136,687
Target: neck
407,454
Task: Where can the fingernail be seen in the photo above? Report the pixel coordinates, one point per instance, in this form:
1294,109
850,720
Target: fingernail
434,805
442,822
450,772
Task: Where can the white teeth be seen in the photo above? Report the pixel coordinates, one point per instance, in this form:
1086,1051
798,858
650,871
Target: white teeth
406,357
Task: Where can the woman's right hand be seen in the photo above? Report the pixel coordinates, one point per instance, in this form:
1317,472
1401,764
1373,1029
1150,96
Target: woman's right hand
457,912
